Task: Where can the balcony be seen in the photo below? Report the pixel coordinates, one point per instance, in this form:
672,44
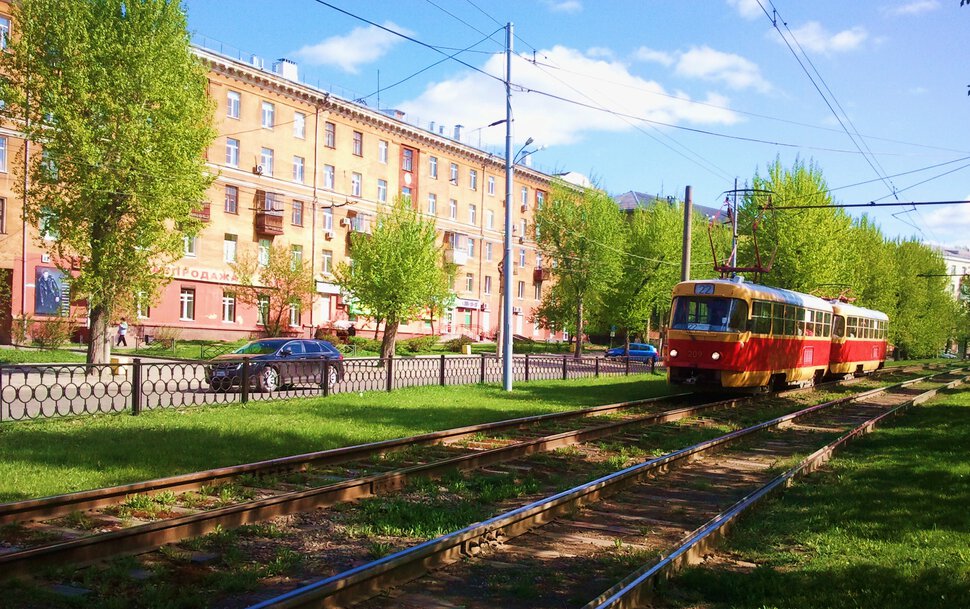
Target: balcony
269,213
541,274
204,212
456,248
456,256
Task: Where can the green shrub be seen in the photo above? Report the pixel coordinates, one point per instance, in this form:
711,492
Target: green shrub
420,343
365,344
53,333
456,344
327,335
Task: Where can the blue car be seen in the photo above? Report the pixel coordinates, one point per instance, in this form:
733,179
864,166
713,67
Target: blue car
639,352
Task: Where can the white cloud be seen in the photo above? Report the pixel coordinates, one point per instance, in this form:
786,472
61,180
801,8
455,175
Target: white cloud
815,38
361,46
918,91
917,7
948,223
651,55
749,9
474,100
564,6
600,52
733,70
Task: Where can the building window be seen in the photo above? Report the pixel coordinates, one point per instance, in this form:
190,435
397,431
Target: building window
187,304
297,217
327,218
469,282
382,151
355,182
472,179
406,192
232,104
268,115
232,200
537,291
232,152
472,214
525,195
382,191
407,159
262,309
3,216
190,246
433,167
296,257
330,135
327,262
358,143
523,227
453,174
453,209
488,251
229,244
3,154
262,249
142,310
488,284
471,247
295,315
522,257
520,290
229,307
491,185
298,169
266,160
328,176
299,125
490,219
4,32
540,199
432,204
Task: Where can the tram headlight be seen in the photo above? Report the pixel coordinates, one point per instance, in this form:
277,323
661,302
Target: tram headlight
715,356
673,353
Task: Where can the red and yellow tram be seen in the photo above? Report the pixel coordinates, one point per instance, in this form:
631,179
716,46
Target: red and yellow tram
859,338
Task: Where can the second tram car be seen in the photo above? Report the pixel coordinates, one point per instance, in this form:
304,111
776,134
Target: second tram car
732,334
858,339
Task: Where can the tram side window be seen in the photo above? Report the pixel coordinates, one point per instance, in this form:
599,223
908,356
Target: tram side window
828,324
852,327
789,320
778,319
761,317
838,326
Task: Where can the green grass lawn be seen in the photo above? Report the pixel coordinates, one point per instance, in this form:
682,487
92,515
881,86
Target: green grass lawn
40,458
40,356
885,525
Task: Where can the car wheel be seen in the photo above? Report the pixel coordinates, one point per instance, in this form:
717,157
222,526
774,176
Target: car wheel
268,379
332,377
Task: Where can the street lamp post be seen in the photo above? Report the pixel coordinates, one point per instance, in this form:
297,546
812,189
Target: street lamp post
507,253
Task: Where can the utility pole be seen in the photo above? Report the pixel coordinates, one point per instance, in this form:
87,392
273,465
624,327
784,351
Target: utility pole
734,229
507,254
685,261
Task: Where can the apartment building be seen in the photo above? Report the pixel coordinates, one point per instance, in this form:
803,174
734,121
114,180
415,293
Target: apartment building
303,169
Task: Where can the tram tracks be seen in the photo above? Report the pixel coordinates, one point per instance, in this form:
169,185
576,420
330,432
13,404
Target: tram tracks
560,548
78,549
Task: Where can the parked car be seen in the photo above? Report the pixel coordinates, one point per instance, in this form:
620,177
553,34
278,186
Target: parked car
276,363
639,352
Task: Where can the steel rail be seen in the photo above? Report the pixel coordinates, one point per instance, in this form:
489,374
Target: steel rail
636,588
369,579
59,505
149,536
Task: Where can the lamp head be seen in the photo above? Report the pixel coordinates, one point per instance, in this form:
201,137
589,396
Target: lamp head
527,142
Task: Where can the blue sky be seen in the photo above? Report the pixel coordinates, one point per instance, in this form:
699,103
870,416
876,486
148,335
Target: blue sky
646,78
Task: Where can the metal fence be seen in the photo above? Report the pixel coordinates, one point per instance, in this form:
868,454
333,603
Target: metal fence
33,391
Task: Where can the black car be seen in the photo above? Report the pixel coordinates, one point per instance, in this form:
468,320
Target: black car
276,363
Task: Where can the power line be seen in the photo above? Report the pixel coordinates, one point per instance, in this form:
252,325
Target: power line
869,204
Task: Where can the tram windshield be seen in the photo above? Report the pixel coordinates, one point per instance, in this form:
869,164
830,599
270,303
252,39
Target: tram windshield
710,314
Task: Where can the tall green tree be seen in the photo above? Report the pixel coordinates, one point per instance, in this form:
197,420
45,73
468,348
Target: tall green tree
397,271
925,313
111,92
581,233
809,245
277,281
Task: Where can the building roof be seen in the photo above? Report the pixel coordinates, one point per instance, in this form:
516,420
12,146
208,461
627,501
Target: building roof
633,199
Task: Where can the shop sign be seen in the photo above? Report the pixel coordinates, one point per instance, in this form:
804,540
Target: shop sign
327,288
467,303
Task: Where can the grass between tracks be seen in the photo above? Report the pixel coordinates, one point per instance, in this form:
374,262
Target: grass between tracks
41,458
886,524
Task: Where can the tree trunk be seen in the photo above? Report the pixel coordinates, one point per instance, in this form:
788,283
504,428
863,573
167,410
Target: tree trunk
377,330
99,343
579,329
390,335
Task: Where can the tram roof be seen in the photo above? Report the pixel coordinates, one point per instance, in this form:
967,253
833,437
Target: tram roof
847,310
738,287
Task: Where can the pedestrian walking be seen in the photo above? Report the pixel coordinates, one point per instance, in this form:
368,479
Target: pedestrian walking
122,331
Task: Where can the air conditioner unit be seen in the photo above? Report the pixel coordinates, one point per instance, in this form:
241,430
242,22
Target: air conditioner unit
328,234
516,310
345,222
521,239
525,207
484,306
258,170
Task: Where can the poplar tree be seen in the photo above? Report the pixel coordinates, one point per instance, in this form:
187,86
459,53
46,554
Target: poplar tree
397,271
114,104
581,234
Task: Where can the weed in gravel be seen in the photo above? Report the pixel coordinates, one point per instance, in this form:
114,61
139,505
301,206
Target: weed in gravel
379,549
